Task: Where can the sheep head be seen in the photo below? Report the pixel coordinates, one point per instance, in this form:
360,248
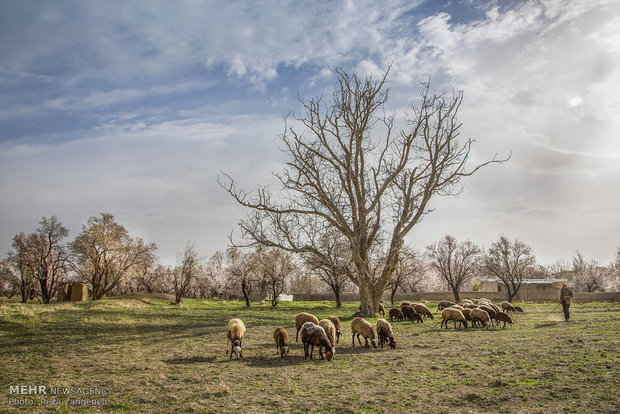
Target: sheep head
236,348
329,353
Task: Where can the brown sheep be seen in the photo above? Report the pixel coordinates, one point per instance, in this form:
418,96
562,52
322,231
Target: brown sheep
502,317
455,315
381,310
281,338
385,333
423,310
490,311
411,314
302,318
337,325
480,316
443,305
330,330
396,313
465,313
313,335
507,307
405,303
235,332
360,326
519,309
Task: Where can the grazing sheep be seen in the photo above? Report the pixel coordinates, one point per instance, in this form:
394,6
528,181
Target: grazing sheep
480,316
465,313
469,306
450,314
385,333
411,314
235,332
381,309
502,317
302,318
405,303
507,307
337,325
466,302
360,326
281,338
313,335
490,311
458,307
494,306
423,310
519,309
443,305
330,330
426,302
396,313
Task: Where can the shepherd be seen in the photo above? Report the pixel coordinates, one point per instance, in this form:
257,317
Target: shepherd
565,296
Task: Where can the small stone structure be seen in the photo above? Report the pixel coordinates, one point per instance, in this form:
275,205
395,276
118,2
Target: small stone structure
72,292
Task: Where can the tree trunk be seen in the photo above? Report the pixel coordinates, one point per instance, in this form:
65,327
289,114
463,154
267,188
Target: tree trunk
366,301
392,294
24,292
457,298
336,290
246,294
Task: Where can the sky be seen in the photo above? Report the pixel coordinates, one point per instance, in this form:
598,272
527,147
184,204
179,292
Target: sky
134,108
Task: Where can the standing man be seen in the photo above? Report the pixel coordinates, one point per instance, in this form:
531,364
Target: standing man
565,296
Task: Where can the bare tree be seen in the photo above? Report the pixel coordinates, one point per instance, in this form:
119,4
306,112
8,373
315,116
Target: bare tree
275,267
510,262
104,254
408,274
349,171
242,268
9,281
333,265
20,266
590,276
456,262
186,270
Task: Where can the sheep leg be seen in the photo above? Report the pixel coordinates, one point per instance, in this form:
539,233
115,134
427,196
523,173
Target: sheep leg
321,352
311,350
227,341
297,336
366,345
360,341
353,340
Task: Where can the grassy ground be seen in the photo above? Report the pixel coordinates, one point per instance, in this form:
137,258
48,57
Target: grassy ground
152,357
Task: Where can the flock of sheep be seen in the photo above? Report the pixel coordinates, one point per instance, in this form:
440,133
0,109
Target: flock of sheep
325,334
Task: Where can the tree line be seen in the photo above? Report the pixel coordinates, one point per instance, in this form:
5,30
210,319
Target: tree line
112,262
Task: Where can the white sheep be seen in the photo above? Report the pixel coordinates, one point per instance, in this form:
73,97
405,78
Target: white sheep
330,330
235,332
385,333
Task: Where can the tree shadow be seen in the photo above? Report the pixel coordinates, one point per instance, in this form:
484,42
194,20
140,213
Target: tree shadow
546,325
190,360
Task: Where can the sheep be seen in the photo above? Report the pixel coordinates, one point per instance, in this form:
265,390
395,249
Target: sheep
490,311
302,318
502,317
507,307
458,307
465,313
519,309
405,303
469,306
443,305
314,335
411,314
360,326
381,309
281,338
385,333
396,313
455,315
493,305
235,332
481,316
330,330
423,310
337,325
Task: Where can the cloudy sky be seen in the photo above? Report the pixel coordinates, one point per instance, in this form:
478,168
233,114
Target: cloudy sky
133,108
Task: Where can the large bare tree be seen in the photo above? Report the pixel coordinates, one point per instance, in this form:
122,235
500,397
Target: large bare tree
104,253
456,262
187,269
511,262
349,170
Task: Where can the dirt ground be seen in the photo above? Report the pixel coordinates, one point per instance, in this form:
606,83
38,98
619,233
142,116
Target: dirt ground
142,355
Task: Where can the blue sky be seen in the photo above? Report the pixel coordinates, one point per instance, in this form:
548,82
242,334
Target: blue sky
133,108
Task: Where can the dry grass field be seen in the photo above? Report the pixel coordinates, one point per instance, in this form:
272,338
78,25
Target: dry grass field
150,357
